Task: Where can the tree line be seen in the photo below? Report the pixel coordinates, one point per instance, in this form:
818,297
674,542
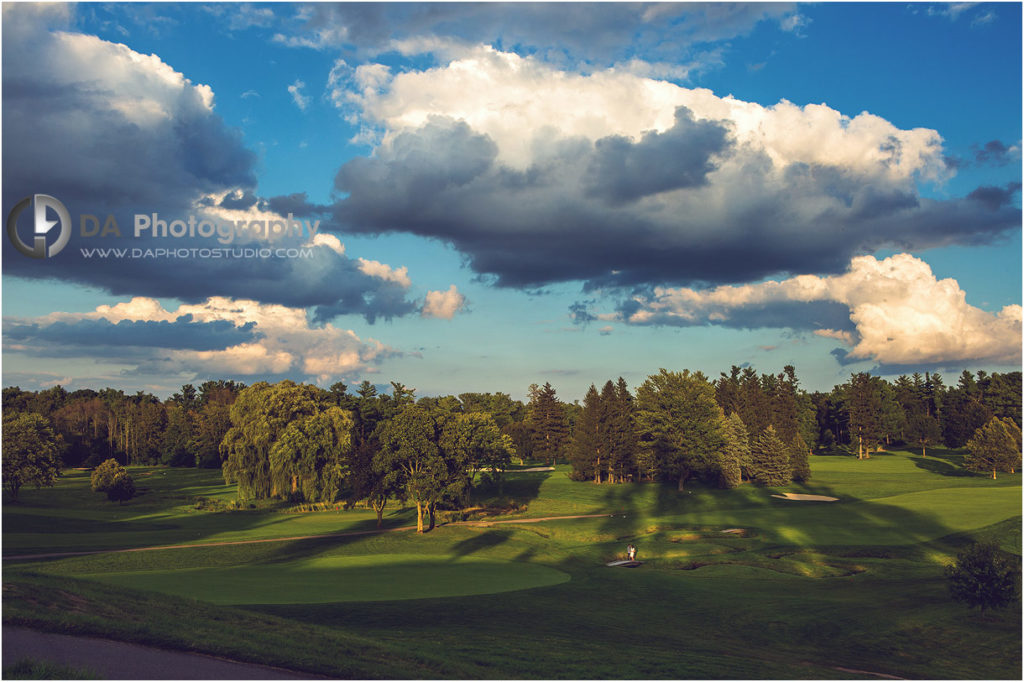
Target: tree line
304,443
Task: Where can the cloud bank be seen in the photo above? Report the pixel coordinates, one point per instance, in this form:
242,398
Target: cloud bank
108,130
216,338
896,313
541,175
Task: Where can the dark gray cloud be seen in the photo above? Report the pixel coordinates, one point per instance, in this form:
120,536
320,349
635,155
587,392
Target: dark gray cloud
111,135
995,198
579,312
182,334
997,153
598,33
238,200
297,204
797,315
540,225
621,171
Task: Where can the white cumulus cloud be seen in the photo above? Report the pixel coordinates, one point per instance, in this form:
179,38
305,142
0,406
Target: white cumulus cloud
281,340
899,311
443,304
514,160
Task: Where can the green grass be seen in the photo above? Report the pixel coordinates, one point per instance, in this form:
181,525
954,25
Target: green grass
856,583
332,579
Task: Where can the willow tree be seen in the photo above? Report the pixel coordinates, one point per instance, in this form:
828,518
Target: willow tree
311,455
259,416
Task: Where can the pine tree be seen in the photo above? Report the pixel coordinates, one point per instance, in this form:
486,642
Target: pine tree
755,409
606,427
995,447
586,451
864,405
679,424
735,455
923,430
770,460
548,424
622,432
799,459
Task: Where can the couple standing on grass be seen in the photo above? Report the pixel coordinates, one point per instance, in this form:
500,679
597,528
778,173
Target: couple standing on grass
631,552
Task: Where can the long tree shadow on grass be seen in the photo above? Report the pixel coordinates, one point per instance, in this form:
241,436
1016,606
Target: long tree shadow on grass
941,467
479,543
715,626
520,488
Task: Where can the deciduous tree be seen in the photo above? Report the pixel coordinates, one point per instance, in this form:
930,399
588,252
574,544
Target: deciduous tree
410,459
31,453
103,476
310,457
994,447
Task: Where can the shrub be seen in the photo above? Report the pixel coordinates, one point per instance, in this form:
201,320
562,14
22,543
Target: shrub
121,488
984,576
104,474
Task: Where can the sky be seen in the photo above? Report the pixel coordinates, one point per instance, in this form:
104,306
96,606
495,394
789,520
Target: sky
483,196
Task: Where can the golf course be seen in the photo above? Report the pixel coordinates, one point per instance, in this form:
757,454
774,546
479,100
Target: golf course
734,583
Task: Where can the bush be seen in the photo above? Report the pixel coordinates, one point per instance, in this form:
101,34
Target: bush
984,576
103,475
121,488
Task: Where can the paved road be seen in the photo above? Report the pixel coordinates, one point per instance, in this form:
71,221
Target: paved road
121,661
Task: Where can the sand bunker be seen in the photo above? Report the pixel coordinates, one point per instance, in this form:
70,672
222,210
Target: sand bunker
809,498
733,530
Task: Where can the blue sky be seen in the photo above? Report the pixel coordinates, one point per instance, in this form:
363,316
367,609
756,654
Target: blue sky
514,194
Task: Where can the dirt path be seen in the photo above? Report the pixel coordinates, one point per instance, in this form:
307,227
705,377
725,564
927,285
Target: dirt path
113,660
58,555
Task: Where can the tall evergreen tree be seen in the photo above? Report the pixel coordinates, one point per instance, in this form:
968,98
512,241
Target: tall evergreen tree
799,460
587,446
735,455
548,425
679,423
864,405
1001,393
995,447
622,432
755,409
769,456
924,430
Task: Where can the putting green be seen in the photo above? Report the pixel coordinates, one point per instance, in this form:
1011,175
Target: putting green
380,577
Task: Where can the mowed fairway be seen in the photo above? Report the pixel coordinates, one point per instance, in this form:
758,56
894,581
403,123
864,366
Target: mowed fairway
341,579
804,590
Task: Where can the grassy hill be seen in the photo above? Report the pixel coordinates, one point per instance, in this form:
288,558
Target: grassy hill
803,590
